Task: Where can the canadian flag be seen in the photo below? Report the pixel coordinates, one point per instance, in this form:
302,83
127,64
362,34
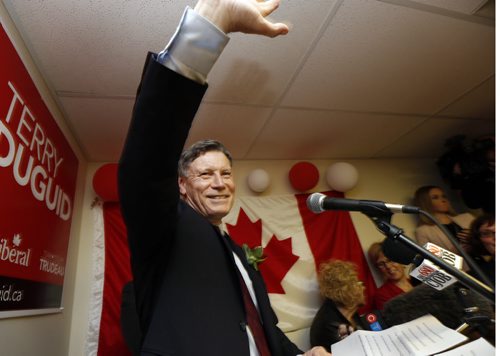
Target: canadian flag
295,242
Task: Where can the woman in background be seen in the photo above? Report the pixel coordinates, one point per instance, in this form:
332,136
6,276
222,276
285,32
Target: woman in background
344,294
396,281
433,200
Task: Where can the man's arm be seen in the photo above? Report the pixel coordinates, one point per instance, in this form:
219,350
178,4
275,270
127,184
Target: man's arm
164,109
202,33
165,106
145,201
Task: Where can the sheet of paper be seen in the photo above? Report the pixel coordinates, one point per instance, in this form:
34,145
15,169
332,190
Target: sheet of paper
351,345
419,337
426,336
385,342
473,348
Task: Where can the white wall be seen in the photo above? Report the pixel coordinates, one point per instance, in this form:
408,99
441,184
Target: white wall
46,334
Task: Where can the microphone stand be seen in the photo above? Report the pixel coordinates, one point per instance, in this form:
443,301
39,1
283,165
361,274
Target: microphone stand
459,248
382,221
473,319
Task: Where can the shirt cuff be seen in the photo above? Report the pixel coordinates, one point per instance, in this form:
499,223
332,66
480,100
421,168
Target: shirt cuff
194,48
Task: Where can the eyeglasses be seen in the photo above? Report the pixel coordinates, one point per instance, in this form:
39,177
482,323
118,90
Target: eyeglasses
384,264
486,234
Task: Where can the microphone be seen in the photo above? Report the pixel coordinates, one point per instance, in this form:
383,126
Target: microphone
401,253
318,203
450,306
447,256
398,252
430,274
424,270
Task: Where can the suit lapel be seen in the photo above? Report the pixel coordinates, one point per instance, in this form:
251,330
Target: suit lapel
240,253
269,319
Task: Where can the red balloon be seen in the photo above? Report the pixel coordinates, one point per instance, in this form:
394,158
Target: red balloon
105,182
303,176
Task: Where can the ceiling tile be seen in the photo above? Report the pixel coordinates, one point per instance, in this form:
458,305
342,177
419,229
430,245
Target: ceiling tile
478,103
353,78
94,46
255,69
296,134
463,6
428,139
386,58
234,125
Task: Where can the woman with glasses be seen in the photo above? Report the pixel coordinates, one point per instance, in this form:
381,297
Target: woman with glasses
344,294
483,244
395,278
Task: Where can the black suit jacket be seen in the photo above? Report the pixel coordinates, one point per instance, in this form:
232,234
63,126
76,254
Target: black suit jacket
187,288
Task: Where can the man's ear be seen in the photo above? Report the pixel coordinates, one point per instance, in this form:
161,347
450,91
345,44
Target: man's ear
182,185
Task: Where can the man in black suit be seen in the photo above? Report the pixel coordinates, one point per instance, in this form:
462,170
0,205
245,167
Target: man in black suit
193,285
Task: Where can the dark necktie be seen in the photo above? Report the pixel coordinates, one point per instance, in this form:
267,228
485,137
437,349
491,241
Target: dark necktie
253,320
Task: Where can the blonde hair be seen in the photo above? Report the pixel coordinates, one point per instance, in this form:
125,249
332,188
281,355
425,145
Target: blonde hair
374,252
336,281
422,199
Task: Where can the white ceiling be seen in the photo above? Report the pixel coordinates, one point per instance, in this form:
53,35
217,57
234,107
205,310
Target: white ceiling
353,79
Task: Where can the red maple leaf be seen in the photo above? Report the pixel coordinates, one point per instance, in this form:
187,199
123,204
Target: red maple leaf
278,253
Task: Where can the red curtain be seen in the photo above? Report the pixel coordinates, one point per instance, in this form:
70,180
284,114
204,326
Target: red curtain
116,274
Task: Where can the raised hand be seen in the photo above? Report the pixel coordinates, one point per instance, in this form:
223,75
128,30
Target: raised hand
247,16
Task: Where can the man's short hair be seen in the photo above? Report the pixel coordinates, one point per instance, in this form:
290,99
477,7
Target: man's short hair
196,150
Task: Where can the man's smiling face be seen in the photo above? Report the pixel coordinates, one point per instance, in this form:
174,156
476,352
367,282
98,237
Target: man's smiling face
208,186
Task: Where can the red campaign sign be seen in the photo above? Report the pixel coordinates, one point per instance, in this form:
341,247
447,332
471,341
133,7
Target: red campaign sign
38,172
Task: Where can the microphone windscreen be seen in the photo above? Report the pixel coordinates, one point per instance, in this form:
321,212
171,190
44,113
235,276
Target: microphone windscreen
397,251
446,305
314,202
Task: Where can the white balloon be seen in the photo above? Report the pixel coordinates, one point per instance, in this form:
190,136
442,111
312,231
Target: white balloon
258,180
342,176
